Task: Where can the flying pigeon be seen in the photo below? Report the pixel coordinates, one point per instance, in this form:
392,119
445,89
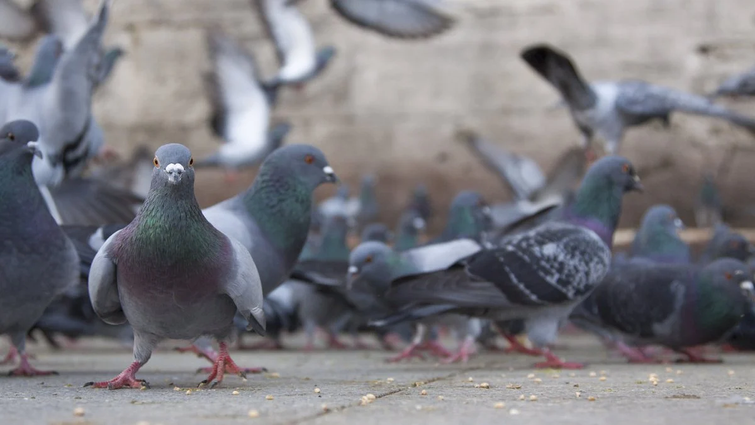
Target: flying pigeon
606,109
406,19
171,274
737,85
37,260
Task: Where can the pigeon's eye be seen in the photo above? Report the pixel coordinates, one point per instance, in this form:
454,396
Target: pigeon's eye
191,161
309,159
625,168
156,162
368,259
727,275
11,137
734,244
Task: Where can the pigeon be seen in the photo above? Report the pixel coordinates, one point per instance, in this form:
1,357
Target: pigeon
340,204
241,108
658,238
605,109
368,205
708,209
737,85
405,19
726,244
420,202
537,276
37,261
377,232
8,71
677,306
171,274
410,226
132,175
294,42
468,217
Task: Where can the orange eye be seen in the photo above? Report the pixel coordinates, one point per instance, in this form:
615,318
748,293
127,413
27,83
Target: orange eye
727,275
368,259
625,168
191,162
156,162
309,159
11,137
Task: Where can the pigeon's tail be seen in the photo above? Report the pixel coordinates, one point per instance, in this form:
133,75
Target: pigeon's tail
412,314
558,69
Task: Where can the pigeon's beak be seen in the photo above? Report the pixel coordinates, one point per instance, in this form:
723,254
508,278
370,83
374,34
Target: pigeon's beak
175,172
678,223
637,184
330,175
352,276
419,223
34,149
748,289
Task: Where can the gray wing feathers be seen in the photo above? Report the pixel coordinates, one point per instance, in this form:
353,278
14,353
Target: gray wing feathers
435,257
558,69
245,289
103,286
395,18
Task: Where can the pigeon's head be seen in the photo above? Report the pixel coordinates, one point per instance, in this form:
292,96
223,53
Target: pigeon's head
736,246
370,262
469,206
377,232
305,163
19,137
733,274
615,170
662,218
174,165
411,222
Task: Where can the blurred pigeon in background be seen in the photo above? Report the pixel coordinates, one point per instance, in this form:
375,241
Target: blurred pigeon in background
658,237
406,19
737,85
468,217
410,226
708,209
377,232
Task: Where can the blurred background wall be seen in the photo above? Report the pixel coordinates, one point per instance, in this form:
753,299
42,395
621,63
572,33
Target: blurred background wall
392,107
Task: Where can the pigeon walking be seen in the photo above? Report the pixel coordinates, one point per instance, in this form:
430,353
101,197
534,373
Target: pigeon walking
37,261
606,109
171,274
537,276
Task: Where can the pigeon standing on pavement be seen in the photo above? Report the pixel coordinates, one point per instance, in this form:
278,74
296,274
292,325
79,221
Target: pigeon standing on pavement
677,306
658,237
37,261
241,106
294,41
606,109
537,276
171,274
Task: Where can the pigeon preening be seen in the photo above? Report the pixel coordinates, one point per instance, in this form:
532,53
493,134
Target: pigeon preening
737,85
658,237
468,217
171,274
299,59
709,208
606,109
407,19
241,108
537,276
677,306
37,261
532,191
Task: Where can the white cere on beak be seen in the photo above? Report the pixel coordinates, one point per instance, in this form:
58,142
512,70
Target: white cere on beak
747,286
678,223
486,210
174,167
418,223
175,171
353,269
328,170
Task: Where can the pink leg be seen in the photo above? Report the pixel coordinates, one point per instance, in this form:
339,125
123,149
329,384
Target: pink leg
223,363
230,366
634,355
466,348
25,369
205,352
335,343
10,358
555,363
408,353
126,379
436,349
695,357
516,347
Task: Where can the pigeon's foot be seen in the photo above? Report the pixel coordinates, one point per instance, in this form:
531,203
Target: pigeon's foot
694,357
391,342
335,344
517,347
25,369
126,379
222,364
634,354
467,348
207,353
554,362
436,349
726,348
410,351
10,358
266,344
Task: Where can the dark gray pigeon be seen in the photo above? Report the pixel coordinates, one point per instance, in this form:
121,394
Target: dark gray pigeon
368,204
420,202
726,244
298,58
677,306
537,276
410,226
171,274
407,19
658,237
606,109
8,71
468,217
376,232
37,261
737,85
241,107
709,208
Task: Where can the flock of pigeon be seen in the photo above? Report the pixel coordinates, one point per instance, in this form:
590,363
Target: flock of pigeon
78,260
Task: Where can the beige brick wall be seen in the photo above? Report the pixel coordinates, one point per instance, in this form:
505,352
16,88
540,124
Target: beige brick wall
392,107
